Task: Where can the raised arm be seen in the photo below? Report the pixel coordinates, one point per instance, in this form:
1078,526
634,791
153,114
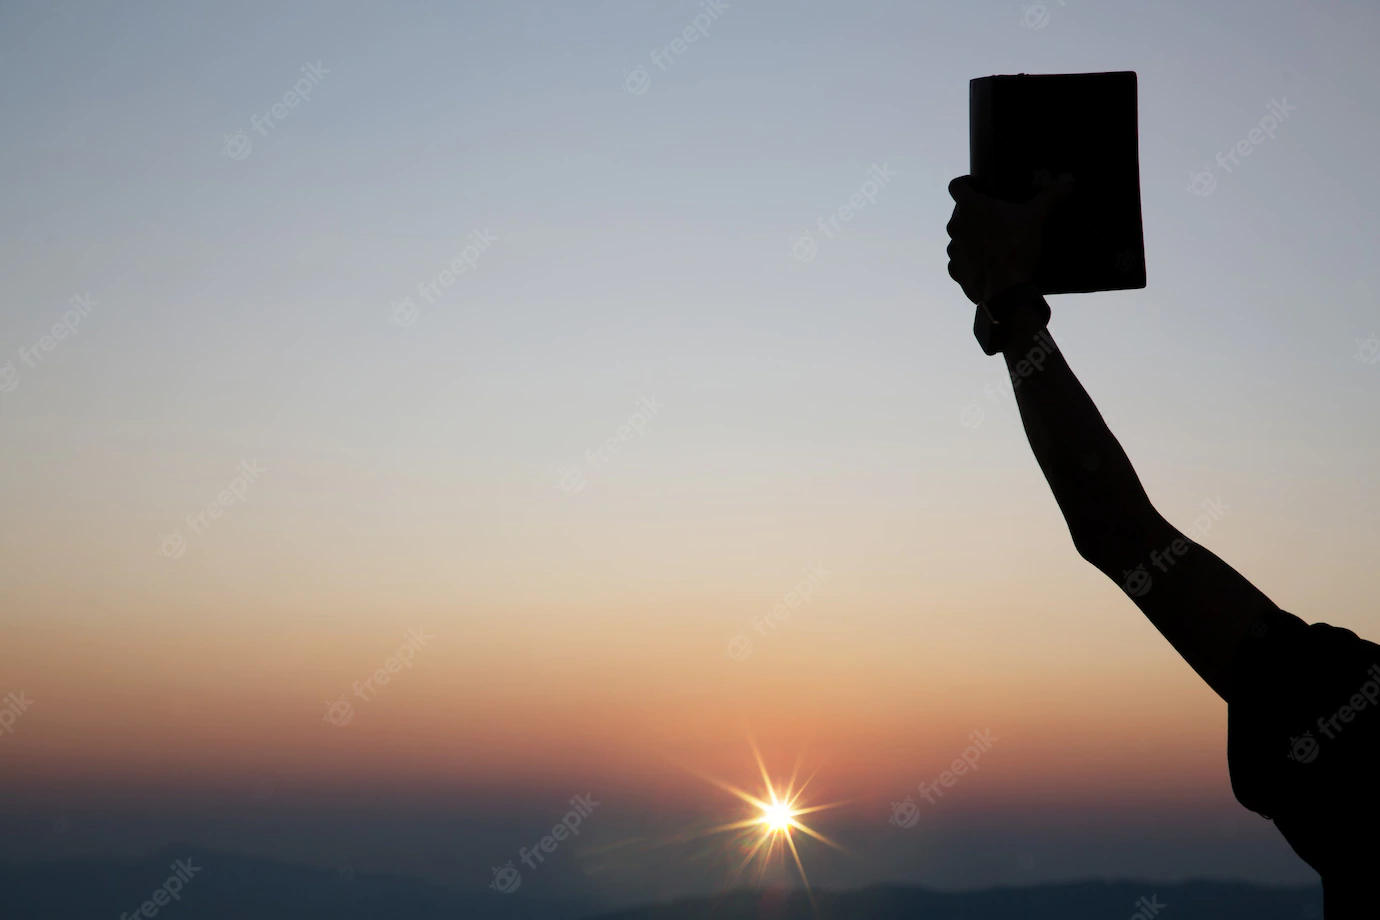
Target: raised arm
1199,603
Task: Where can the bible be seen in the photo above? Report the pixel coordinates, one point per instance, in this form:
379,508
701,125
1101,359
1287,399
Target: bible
1025,131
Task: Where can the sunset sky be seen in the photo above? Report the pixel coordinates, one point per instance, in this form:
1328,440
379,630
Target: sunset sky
280,431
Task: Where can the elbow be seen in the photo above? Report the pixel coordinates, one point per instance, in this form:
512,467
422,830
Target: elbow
1095,548
1116,546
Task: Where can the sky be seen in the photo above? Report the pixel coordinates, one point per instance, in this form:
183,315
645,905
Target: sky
511,336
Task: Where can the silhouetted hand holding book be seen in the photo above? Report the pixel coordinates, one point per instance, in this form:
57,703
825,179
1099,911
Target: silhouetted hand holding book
1303,739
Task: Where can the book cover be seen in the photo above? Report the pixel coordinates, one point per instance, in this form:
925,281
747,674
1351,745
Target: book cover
1027,130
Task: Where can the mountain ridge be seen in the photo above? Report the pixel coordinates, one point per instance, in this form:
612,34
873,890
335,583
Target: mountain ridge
226,885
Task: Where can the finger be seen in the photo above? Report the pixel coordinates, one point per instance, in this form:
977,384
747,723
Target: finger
963,275
961,189
957,222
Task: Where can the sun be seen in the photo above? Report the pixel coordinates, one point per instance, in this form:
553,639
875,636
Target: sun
777,817
770,832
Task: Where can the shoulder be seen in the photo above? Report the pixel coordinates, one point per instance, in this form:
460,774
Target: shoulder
1303,725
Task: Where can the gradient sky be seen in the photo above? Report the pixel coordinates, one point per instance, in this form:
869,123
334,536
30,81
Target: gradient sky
436,473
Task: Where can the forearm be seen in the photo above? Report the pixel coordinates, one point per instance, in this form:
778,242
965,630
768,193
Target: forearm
1091,477
1197,601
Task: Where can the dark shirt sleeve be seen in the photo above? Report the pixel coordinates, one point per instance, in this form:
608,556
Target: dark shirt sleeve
1303,741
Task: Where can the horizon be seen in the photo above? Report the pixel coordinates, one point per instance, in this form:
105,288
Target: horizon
343,892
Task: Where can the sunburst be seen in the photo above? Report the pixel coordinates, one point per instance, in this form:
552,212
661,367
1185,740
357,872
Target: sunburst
773,821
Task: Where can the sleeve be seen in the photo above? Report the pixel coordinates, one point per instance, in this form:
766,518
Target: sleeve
1303,733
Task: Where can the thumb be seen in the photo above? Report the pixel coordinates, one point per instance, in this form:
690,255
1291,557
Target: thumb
1051,195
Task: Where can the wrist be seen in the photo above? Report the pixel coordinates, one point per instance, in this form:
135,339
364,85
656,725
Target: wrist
1022,322
1010,318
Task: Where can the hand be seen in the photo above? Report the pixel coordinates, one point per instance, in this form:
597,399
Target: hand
996,244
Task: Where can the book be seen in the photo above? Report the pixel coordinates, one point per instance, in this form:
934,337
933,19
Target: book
1027,130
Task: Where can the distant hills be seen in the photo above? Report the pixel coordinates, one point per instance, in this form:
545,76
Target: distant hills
1071,901
237,887
233,887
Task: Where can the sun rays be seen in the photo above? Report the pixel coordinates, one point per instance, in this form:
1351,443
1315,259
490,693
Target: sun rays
769,829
